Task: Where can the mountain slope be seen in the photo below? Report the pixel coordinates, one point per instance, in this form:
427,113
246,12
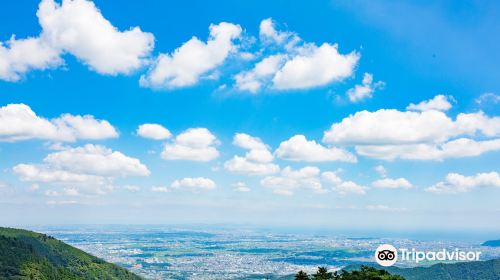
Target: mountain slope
30,255
480,270
492,243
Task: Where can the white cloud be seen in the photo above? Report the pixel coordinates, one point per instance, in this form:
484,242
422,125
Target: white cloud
462,147
20,56
340,186
283,191
194,184
96,160
315,66
85,127
153,131
254,79
242,165
365,90
488,97
331,177
311,178
427,135
290,180
380,169
268,32
160,189
258,151
349,187
76,27
289,63
297,148
241,187
19,122
46,174
387,183
197,144
457,183
90,168
439,103
185,66
257,160
389,126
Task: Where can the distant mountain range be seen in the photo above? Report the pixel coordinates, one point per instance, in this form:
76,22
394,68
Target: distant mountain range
491,243
30,255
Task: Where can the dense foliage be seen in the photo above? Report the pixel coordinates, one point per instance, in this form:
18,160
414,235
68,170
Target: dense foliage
480,270
29,255
364,273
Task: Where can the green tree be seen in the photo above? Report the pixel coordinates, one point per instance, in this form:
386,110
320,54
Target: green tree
368,273
322,274
301,275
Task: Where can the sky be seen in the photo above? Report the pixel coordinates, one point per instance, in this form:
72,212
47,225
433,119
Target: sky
333,114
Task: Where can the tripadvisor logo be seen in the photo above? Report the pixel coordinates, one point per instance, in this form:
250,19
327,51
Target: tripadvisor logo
387,255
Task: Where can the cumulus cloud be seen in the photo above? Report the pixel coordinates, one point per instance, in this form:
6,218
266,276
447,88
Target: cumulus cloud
288,63
253,80
76,27
290,180
310,178
90,167
400,183
243,165
389,126
349,187
257,150
241,187
365,90
462,147
193,184
79,28
298,148
153,131
389,134
457,183
197,144
96,160
340,186
46,174
19,122
315,66
185,66
257,160
439,102
20,56
269,33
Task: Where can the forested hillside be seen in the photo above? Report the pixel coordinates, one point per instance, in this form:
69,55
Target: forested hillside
29,255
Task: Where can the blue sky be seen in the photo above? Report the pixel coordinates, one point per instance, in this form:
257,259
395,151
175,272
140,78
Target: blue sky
340,73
